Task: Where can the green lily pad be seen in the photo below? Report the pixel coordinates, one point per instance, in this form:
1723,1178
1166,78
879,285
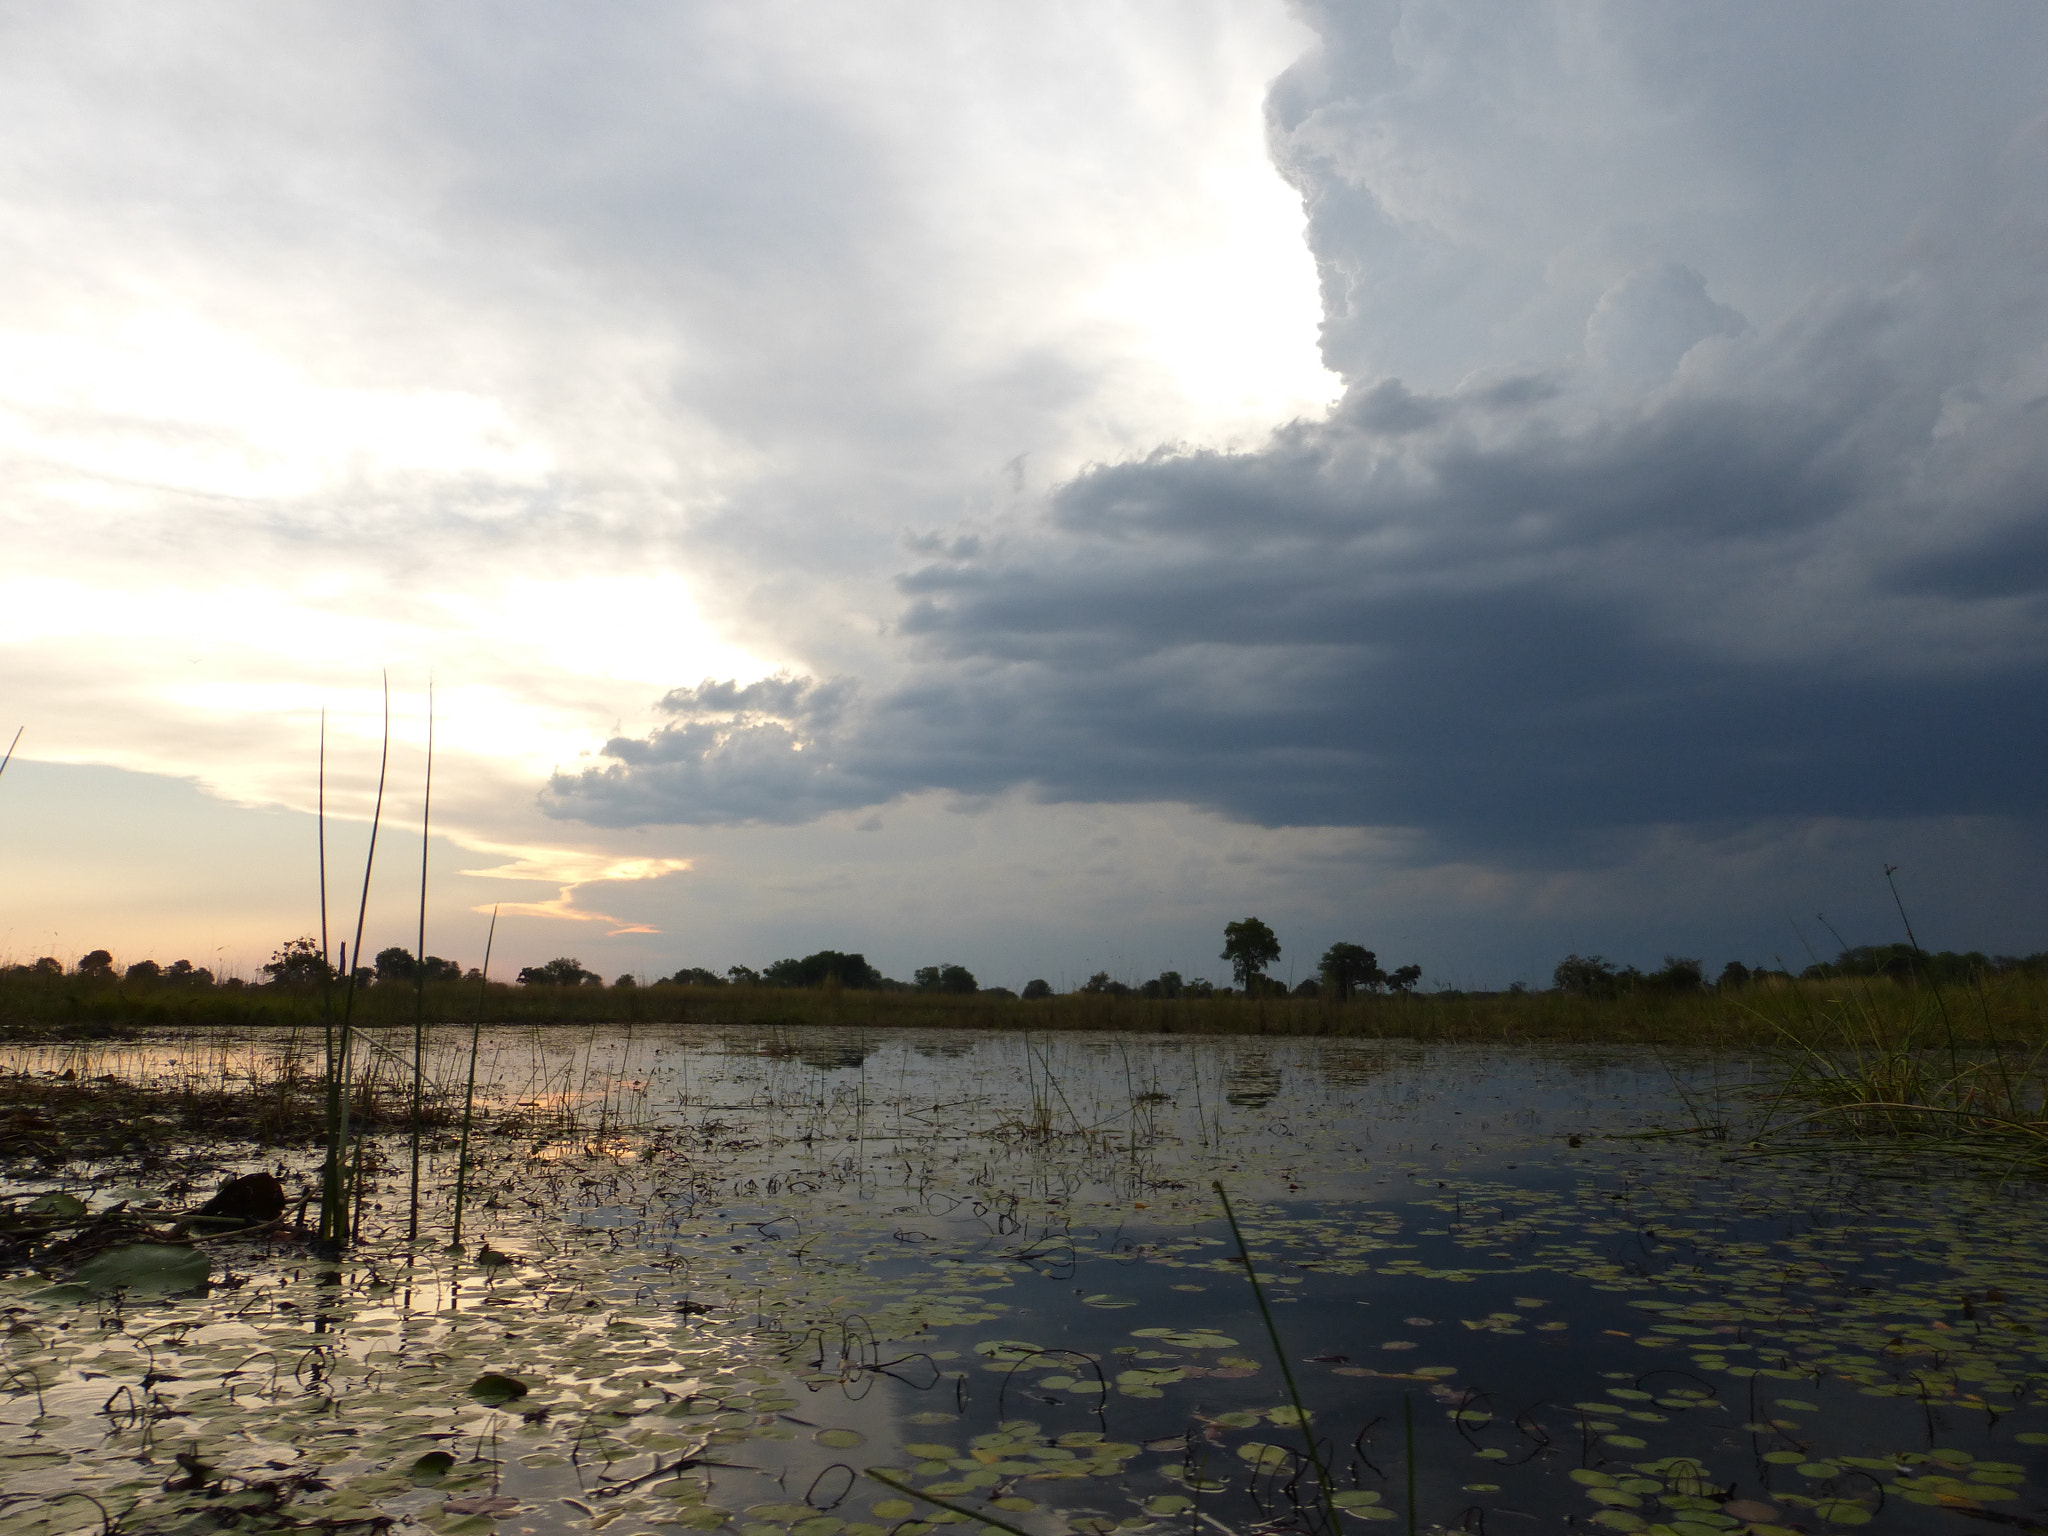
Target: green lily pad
145,1267
57,1204
61,1295
1005,1349
1192,1338
431,1468
495,1391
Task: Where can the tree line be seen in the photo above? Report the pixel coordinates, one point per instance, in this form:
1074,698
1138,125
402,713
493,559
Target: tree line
1595,976
1249,945
1346,970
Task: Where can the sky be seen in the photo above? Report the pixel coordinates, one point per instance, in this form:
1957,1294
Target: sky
1025,486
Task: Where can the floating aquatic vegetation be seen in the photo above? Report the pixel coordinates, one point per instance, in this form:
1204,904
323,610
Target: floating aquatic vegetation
732,1282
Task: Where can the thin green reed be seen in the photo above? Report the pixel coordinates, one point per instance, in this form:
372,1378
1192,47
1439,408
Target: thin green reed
1408,1451
326,956
469,1089
973,1516
1324,1484
327,1041
335,1225
1940,1004
419,972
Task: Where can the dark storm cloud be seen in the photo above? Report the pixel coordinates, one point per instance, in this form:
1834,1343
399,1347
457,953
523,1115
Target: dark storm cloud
1707,562
1475,638
733,754
1477,614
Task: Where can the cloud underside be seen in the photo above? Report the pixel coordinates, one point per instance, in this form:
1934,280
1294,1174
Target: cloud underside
1461,613
1693,564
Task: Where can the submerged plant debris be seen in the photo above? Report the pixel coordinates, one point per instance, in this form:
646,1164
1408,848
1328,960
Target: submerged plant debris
716,1280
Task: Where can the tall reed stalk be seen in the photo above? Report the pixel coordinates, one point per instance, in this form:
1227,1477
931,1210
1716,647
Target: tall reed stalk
4,761
469,1089
419,1017
336,1226
1324,1485
326,958
1408,1454
329,1197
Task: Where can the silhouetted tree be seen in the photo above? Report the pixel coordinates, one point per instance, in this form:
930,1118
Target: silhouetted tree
1101,983
1903,962
1349,968
945,978
1309,988
627,980
144,971
49,965
562,971
97,964
1249,946
1165,984
1586,975
1678,975
818,969
397,965
743,976
1036,988
1403,978
298,964
697,976
183,973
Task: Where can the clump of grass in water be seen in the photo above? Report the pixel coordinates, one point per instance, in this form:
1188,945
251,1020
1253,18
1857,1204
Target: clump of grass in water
1881,1060
1865,1065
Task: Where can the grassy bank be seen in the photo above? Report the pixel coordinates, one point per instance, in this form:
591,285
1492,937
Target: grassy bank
2004,1011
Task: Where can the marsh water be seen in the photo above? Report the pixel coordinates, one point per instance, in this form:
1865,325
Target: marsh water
737,1273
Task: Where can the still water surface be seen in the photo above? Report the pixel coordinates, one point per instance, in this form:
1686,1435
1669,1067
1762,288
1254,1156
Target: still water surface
748,1266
